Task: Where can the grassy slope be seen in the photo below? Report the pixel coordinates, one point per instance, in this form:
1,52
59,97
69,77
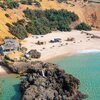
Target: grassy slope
84,13
3,28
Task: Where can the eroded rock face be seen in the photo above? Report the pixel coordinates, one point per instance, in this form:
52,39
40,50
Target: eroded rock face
45,81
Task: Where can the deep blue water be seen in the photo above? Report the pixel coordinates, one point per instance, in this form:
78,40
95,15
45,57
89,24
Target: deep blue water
85,67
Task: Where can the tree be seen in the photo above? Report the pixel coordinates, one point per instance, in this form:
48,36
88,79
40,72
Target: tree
12,4
18,30
83,26
42,22
28,2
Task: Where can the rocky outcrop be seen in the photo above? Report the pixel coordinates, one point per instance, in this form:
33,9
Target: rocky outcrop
45,81
34,54
21,67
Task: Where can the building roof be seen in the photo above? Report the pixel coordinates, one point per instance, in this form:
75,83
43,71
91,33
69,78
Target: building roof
10,44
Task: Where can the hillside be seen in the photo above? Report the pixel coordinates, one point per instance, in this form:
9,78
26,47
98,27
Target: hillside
87,12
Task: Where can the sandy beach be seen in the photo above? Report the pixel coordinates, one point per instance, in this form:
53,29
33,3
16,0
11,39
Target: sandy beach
70,43
3,70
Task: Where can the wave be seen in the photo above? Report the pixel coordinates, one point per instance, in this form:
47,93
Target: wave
89,51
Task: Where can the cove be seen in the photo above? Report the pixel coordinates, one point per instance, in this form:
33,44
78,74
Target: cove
86,67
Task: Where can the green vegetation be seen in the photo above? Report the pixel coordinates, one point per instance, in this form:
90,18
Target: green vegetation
15,3
3,5
60,1
37,3
42,22
7,15
83,26
12,4
28,2
18,29
9,4
94,1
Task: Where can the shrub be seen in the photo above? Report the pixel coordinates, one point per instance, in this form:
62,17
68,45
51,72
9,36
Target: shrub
7,15
37,4
28,2
62,26
23,1
20,22
9,4
60,1
39,26
83,26
48,20
42,22
12,4
18,30
3,5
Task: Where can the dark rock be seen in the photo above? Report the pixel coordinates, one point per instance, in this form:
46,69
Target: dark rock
55,84
34,54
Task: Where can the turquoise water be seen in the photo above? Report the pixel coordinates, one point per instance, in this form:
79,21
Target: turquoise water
85,67
9,88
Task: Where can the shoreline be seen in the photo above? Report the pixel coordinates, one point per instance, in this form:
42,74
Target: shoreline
4,70
70,43
71,54
89,51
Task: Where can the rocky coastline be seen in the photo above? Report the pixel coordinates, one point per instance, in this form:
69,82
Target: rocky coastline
46,81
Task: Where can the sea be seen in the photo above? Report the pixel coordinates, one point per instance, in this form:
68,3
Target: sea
84,66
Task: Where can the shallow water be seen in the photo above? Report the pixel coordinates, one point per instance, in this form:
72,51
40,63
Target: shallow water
9,88
85,67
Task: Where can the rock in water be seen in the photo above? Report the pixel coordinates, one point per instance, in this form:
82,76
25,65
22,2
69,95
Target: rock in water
54,84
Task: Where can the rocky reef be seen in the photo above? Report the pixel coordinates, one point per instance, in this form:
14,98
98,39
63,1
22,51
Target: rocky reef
45,81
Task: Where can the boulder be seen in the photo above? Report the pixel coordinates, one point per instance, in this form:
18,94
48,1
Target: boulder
34,54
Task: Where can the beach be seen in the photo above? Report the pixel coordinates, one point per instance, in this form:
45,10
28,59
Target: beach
3,70
66,44
70,43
